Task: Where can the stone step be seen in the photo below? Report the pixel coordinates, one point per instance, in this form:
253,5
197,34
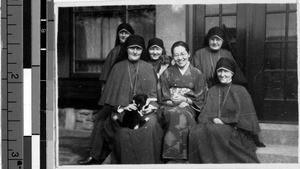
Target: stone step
279,134
74,133
278,154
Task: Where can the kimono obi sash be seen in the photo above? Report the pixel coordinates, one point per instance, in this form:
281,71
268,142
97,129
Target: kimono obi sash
179,91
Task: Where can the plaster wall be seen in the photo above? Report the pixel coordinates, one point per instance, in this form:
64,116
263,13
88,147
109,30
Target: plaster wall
171,24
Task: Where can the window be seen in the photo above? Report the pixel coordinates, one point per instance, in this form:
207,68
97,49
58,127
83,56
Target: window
220,15
281,58
94,33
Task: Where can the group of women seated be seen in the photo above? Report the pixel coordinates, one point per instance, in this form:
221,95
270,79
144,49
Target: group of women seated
197,109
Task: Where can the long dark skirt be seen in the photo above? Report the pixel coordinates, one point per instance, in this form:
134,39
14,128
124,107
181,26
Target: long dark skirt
136,146
98,144
178,122
219,143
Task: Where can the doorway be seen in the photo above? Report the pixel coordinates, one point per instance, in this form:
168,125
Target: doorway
264,43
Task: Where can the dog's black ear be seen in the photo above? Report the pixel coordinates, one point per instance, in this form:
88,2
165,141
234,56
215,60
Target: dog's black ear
135,97
140,99
145,97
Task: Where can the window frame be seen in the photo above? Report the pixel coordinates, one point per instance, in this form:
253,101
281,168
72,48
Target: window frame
124,9
284,70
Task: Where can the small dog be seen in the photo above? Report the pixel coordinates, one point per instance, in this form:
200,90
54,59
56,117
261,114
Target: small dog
134,119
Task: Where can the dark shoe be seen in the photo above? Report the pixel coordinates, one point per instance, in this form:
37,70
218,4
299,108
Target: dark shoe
257,142
88,161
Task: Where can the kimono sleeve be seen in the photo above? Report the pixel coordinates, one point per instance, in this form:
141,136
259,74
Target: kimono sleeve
207,113
200,90
163,87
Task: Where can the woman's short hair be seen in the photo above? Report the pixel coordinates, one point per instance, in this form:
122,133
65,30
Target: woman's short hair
180,43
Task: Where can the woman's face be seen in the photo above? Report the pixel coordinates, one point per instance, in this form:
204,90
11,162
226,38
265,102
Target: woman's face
224,75
123,35
155,52
181,56
215,43
134,52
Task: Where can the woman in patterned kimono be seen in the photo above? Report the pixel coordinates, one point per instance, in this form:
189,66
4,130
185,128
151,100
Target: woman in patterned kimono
131,76
205,59
183,91
226,124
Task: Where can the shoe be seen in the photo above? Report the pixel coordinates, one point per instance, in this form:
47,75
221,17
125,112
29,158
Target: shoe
88,161
257,142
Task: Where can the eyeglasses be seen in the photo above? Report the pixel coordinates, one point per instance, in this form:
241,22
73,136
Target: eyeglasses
179,54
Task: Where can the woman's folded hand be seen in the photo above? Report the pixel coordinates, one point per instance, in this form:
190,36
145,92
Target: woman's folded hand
130,107
217,121
177,99
183,104
149,109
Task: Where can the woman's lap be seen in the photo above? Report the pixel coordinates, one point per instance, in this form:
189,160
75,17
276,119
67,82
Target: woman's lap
178,122
216,143
137,146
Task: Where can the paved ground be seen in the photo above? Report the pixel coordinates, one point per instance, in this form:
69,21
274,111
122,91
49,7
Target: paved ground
72,146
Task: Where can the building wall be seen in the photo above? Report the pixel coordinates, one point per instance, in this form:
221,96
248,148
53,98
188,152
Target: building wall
171,24
170,27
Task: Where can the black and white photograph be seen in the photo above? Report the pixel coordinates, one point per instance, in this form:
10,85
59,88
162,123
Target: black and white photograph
162,84
220,82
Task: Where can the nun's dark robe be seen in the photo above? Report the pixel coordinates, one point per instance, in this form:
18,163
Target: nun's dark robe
229,142
205,60
179,120
142,145
97,142
109,62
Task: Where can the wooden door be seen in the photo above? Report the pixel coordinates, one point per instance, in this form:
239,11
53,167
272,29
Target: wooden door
265,43
272,62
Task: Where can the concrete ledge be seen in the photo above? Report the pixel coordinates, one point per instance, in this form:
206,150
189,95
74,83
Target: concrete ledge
287,127
282,134
278,154
74,133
